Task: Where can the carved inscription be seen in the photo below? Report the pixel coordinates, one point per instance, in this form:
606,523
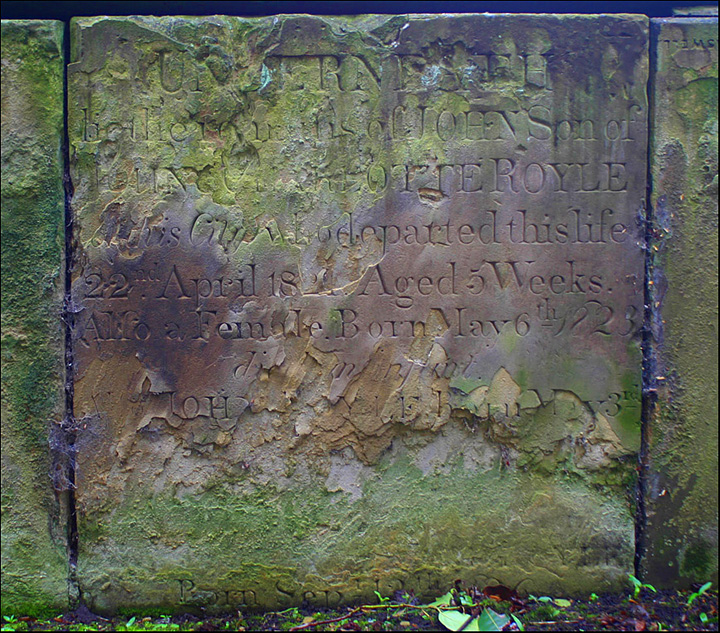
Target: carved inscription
303,247
317,592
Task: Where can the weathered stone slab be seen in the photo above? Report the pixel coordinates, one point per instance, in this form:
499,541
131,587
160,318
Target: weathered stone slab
34,557
683,482
359,304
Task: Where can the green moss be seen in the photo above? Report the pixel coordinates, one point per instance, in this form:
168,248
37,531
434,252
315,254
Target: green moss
629,416
697,561
683,437
543,613
521,378
464,384
31,353
32,229
298,541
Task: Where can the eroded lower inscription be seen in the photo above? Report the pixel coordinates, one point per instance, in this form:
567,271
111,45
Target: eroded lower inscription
357,300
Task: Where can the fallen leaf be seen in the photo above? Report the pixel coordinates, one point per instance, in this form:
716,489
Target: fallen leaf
456,620
500,593
442,600
491,621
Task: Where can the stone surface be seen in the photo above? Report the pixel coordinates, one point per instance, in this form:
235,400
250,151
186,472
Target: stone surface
683,481
359,303
34,558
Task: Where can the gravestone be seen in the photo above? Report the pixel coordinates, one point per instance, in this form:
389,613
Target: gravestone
34,557
682,486
359,305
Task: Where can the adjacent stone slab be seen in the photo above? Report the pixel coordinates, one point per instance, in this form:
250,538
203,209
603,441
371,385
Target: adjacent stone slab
683,482
34,557
359,304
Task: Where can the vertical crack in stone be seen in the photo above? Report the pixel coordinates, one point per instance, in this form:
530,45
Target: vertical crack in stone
649,391
68,426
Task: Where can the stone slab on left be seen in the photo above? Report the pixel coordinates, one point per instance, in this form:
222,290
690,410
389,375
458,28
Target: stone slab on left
34,549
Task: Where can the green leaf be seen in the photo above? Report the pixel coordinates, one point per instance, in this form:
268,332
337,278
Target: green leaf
562,602
544,599
442,601
455,620
518,622
131,621
465,600
381,600
491,621
703,618
694,596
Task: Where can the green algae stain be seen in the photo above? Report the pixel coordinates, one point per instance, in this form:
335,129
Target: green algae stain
34,563
296,539
683,443
697,561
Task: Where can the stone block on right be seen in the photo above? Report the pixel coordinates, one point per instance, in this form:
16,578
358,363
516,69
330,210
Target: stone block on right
682,490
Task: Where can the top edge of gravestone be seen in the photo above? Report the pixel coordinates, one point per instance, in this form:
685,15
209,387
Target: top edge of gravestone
90,20
681,19
31,24
47,29
696,12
